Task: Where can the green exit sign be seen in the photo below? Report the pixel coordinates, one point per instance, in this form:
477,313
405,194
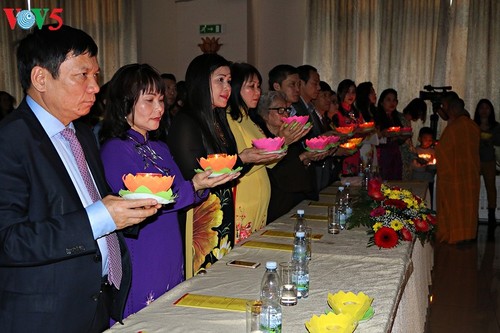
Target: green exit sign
210,28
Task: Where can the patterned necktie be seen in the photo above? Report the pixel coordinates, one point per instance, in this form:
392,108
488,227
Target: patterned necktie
114,258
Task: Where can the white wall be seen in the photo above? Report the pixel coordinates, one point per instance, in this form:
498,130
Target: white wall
262,32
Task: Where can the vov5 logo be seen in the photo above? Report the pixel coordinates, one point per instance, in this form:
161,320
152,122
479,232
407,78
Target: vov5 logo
26,18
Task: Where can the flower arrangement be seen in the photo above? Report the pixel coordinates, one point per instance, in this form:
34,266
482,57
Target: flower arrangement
395,215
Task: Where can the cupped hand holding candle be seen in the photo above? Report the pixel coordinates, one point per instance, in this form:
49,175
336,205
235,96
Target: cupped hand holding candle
295,132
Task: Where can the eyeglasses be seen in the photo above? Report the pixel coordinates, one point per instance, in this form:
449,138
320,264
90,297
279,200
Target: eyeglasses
282,110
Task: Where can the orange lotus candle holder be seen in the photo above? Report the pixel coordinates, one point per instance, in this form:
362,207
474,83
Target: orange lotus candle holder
369,124
148,185
350,147
366,127
344,130
219,164
155,182
355,141
394,129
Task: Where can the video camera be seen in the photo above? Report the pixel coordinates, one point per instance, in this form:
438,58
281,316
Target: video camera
434,94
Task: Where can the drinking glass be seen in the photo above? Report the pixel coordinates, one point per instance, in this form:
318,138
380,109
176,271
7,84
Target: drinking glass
253,310
333,226
288,288
308,243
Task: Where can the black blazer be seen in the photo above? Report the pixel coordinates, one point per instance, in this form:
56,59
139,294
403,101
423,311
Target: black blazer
50,266
325,169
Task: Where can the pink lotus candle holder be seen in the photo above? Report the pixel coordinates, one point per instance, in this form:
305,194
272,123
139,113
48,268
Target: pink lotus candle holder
318,143
299,119
269,144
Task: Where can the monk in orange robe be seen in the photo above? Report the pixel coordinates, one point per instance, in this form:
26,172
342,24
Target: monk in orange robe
458,174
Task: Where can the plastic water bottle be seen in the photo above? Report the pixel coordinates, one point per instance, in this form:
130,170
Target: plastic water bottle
299,246
340,194
300,222
341,214
301,278
270,286
301,275
270,320
367,175
347,200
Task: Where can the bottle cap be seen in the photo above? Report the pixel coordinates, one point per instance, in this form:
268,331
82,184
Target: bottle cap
271,265
300,234
300,212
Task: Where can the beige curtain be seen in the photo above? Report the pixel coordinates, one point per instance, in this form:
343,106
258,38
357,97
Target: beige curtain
408,44
111,23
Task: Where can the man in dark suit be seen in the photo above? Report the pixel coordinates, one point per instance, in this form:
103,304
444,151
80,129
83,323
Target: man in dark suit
309,90
285,78
55,237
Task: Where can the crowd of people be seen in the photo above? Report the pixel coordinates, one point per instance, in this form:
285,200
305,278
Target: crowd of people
63,233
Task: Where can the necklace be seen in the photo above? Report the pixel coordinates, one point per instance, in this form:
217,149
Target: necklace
149,156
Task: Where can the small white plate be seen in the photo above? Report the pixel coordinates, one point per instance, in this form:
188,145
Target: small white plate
317,150
132,196
268,152
218,174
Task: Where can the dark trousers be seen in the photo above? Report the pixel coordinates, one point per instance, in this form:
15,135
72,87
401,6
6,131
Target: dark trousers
102,314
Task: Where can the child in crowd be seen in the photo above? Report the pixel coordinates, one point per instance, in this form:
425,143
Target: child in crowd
424,165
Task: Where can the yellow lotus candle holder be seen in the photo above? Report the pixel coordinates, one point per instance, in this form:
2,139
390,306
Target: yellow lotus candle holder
331,322
350,303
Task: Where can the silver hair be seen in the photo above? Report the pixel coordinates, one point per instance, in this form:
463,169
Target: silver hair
266,100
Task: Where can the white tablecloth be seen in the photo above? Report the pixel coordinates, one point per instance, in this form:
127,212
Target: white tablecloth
397,279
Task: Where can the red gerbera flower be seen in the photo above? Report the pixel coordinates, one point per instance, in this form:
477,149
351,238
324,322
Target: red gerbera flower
421,225
379,211
386,237
407,236
399,204
431,219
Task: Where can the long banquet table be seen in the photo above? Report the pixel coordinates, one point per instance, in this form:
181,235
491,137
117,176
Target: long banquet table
397,279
